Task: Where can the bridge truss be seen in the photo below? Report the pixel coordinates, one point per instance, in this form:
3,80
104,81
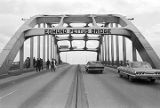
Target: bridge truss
54,26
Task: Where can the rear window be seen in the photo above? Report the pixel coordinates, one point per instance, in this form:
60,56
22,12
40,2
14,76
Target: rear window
140,65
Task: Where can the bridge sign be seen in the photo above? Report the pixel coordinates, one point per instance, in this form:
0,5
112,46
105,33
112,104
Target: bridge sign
56,31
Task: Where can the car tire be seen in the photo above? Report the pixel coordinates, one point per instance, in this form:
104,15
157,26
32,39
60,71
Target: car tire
130,78
152,80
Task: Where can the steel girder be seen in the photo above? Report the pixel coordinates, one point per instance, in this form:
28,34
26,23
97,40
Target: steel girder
27,30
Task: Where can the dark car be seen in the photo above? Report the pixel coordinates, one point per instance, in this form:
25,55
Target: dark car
94,67
139,70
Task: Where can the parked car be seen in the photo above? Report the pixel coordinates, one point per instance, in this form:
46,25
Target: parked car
139,70
94,67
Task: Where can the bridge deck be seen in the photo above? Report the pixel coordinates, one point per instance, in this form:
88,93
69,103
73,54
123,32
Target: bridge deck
63,88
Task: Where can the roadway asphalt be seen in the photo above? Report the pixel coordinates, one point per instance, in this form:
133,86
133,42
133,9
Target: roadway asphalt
52,90
37,90
108,90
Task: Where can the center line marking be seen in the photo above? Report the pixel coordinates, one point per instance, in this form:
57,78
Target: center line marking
7,94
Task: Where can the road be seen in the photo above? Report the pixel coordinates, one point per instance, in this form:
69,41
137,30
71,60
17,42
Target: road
37,90
59,89
109,91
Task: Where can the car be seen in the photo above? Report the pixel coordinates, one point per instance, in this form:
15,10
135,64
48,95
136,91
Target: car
139,70
94,67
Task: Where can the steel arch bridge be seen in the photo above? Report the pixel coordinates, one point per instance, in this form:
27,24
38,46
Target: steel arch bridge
54,26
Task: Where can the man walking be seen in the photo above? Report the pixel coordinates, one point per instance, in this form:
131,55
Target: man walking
48,63
53,65
38,65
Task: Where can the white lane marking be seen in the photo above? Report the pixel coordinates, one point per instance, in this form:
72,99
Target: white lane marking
7,94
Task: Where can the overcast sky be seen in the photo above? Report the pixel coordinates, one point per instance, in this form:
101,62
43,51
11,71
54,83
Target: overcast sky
145,12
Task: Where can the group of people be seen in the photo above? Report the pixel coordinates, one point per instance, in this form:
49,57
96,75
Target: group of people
51,64
38,64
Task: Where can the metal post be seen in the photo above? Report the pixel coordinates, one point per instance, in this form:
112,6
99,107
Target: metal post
112,47
31,51
21,57
99,56
44,47
59,59
101,52
38,44
124,50
56,50
86,39
134,54
102,48
57,54
51,47
117,48
47,46
108,49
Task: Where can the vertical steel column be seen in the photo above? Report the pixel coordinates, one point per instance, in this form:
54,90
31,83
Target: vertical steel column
59,59
100,54
102,49
55,50
54,47
124,50
97,56
31,51
51,47
85,41
47,46
112,47
56,54
21,56
38,44
134,54
117,48
44,47
108,49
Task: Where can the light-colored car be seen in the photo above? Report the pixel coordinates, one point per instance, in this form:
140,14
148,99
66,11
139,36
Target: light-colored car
94,67
139,70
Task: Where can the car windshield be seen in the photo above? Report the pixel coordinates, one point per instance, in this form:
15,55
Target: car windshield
140,65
